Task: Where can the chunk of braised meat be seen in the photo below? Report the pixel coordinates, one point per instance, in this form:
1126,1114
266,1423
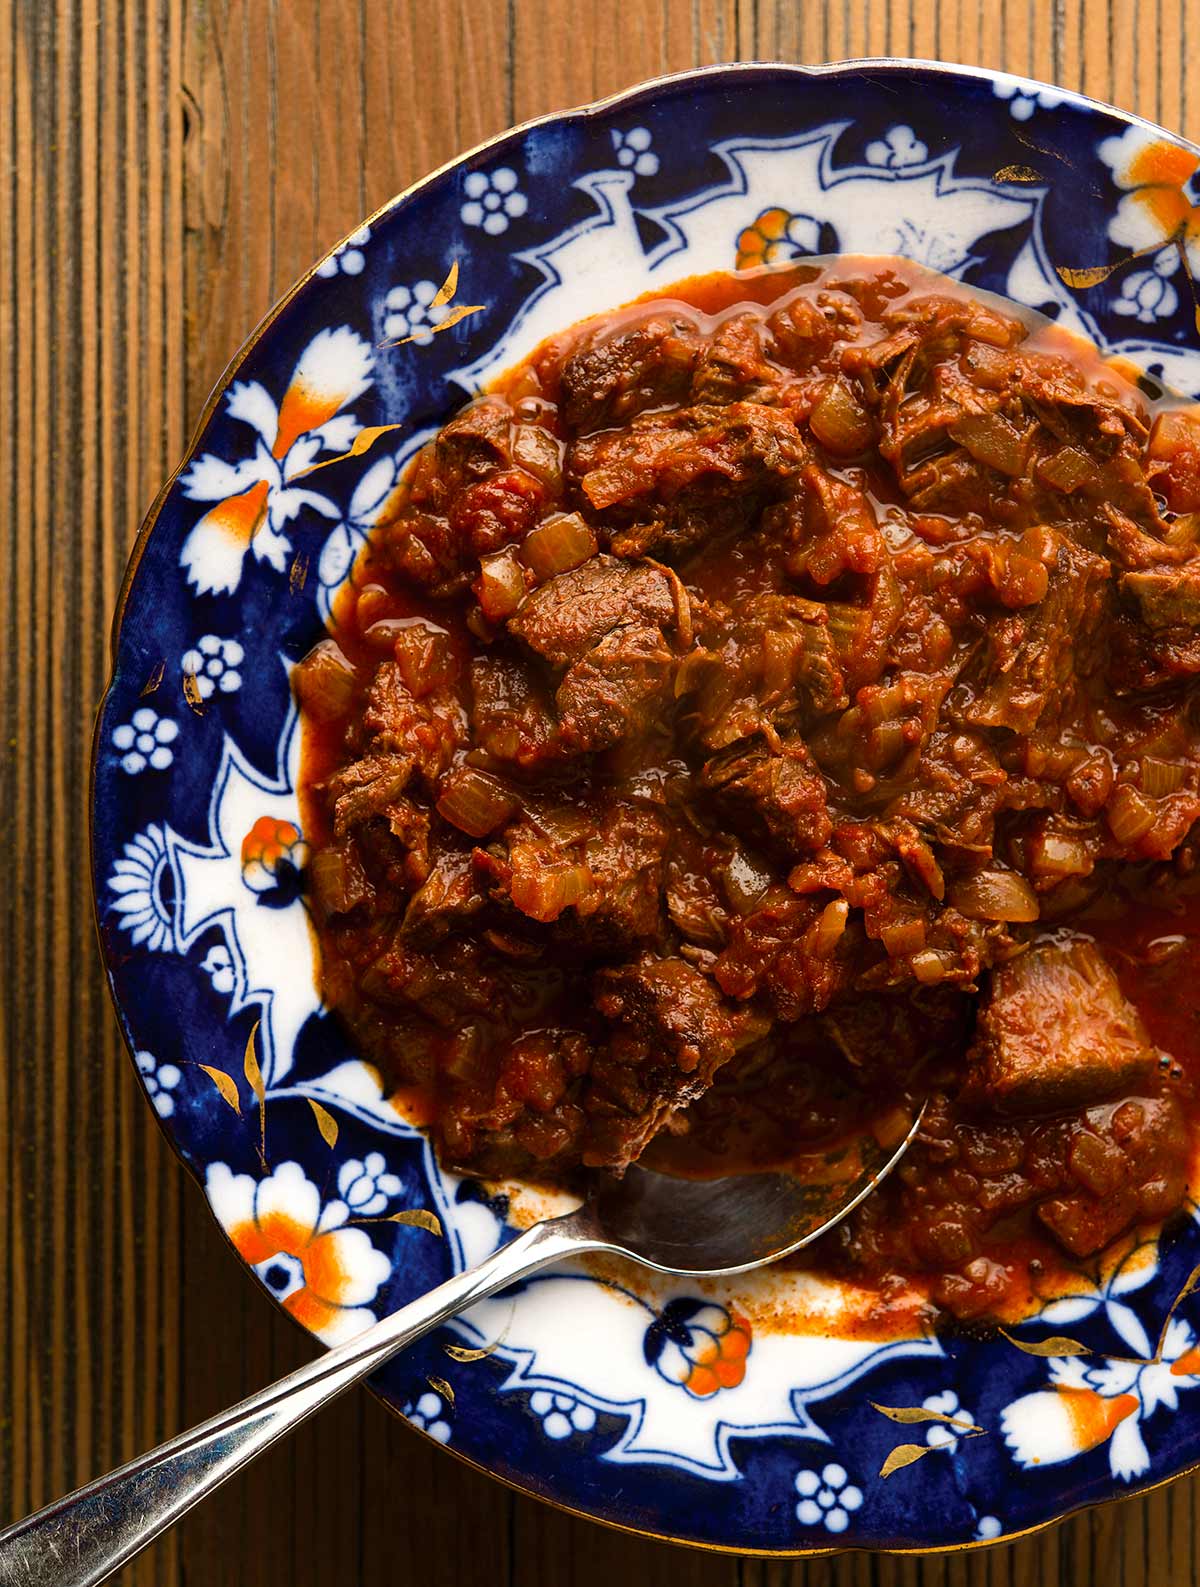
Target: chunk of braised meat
775,794
446,901
373,786
1029,660
461,498
1167,597
666,484
423,728
617,689
612,378
512,718
671,1034
571,613
596,879
773,662
1055,1031
733,365
670,1008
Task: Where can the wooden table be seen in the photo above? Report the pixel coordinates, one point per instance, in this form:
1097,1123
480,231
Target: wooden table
167,167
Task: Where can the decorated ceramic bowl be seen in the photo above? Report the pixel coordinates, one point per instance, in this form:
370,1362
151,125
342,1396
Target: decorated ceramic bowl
596,1390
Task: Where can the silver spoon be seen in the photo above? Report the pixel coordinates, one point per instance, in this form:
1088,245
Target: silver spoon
686,1227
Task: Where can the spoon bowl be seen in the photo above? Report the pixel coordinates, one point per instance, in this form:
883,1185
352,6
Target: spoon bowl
715,1227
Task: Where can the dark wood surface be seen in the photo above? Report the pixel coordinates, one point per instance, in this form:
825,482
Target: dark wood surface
167,167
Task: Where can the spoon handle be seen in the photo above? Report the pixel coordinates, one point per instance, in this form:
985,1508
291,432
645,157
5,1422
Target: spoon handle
81,1539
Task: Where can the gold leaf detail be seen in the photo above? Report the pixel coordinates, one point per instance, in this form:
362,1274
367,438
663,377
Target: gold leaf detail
1090,277
904,1455
1191,1284
418,1218
1017,173
461,1352
363,441
298,571
440,1386
918,1413
1056,1345
447,289
155,678
455,315
254,1076
225,1084
326,1123
191,693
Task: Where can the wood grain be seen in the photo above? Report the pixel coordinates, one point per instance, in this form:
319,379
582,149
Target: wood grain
167,167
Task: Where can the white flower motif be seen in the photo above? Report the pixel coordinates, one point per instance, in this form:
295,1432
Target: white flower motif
561,1414
348,256
411,313
1024,97
1135,1270
1148,295
426,1413
898,147
827,1498
365,1187
159,1080
492,201
941,1435
634,152
218,964
213,664
145,740
257,496
324,1274
987,1529
137,879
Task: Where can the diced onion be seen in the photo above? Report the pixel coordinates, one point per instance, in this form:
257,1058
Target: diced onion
745,881
991,439
557,545
325,683
839,423
1160,777
1129,815
930,966
538,453
995,895
903,936
542,890
564,823
1176,430
830,928
501,586
1059,854
475,801
1068,469
423,655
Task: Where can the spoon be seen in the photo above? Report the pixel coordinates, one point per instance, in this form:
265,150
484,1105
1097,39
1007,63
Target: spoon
695,1228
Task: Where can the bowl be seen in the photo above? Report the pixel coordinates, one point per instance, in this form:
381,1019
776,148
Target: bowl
583,1388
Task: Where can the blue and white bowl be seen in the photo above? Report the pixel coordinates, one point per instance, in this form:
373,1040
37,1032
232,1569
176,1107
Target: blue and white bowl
595,1393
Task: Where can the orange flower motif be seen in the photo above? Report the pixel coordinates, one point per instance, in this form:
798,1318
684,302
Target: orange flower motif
1161,203
258,495
698,1345
273,856
324,1274
764,242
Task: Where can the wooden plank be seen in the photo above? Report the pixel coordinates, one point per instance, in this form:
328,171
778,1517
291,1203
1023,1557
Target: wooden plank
167,167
